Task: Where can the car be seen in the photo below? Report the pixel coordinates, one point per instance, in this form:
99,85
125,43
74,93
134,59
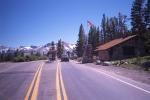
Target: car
98,62
65,58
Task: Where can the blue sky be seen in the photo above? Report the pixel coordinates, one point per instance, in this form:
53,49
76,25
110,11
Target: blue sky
36,22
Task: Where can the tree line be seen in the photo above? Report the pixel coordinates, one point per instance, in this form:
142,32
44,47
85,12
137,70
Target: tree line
116,27
18,56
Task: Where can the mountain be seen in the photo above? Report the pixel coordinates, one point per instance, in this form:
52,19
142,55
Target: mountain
4,48
43,49
68,47
24,48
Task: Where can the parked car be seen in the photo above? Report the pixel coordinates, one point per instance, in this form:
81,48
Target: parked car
65,58
106,63
98,62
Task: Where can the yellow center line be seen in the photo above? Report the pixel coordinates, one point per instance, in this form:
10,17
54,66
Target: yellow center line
36,87
62,85
32,83
57,84
36,80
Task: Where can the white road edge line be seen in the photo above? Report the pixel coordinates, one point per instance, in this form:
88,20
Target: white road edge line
115,78
121,81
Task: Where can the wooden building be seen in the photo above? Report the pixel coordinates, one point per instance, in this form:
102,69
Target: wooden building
119,49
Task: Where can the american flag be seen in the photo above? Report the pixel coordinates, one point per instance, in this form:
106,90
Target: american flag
90,24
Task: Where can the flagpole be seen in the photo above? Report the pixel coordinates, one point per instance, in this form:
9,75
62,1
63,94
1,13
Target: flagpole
89,25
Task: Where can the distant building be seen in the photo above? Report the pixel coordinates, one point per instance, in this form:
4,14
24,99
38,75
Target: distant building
120,49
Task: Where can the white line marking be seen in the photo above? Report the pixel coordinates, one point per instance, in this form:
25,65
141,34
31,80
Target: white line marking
115,78
122,81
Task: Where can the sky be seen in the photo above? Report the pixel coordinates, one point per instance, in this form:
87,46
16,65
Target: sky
37,22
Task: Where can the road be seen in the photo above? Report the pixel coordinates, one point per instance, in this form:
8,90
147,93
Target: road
43,80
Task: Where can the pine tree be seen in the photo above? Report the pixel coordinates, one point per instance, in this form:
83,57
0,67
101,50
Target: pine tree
103,26
108,31
81,42
97,37
147,15
3,56
90,36
59,49
112,25
147,23
122,27
53,50
100,37
138,24
0,56
147,41
137,20
53,45
16,53
94,38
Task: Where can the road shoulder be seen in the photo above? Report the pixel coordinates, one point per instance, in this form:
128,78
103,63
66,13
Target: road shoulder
136,75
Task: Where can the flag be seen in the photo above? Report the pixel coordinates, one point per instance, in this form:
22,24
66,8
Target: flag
90,24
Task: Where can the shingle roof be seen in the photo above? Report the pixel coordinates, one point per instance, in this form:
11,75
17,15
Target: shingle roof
113,43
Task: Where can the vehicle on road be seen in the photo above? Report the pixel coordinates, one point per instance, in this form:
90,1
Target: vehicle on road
65,58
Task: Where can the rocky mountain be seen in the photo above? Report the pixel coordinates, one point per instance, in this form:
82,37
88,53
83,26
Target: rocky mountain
4,48
43,49
69,47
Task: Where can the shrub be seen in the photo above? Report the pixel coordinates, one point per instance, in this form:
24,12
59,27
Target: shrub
19,59
42,58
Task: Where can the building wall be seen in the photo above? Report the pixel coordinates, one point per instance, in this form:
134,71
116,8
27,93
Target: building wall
118,51
103,55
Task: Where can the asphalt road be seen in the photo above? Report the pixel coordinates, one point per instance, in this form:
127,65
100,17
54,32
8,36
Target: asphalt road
43,80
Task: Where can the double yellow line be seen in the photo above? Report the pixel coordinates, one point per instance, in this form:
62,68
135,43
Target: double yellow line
32,92
60,88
